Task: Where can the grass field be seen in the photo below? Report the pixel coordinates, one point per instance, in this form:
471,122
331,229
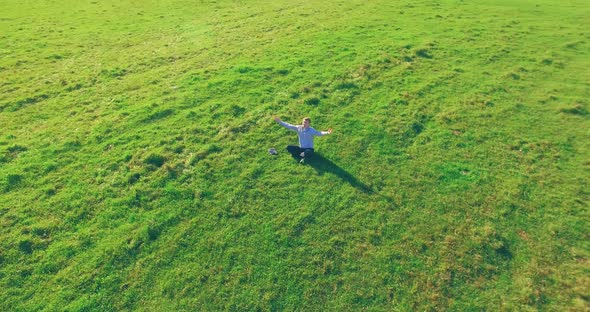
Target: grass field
134,172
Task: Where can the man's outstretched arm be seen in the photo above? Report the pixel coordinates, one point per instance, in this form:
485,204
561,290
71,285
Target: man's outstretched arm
284,124
321,133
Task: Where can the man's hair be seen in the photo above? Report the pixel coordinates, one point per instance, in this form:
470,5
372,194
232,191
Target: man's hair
308,119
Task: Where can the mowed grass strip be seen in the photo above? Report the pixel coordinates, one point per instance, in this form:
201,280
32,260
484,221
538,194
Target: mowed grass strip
134,172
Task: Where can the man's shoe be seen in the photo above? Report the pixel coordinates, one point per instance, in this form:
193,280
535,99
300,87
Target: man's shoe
302,154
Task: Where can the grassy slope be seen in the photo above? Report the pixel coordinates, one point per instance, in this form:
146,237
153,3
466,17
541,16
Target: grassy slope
135,176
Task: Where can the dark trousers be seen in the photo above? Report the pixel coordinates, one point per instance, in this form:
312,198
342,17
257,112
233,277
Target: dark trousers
296,151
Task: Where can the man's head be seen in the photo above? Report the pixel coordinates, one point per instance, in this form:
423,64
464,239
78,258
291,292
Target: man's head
306,122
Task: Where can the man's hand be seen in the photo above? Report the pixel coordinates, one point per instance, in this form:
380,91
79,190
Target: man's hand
329,131
276,118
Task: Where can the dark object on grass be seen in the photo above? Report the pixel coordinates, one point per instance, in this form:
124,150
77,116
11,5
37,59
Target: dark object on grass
272,151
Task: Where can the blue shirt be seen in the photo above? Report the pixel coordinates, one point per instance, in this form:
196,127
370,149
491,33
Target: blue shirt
305,135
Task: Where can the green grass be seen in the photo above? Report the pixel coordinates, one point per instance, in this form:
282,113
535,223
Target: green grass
134,172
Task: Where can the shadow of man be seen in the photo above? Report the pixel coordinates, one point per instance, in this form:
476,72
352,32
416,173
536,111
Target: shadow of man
323,165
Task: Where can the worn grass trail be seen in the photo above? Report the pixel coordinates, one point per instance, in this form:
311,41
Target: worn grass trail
134,172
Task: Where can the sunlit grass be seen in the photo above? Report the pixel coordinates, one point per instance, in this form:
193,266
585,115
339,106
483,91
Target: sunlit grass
134,172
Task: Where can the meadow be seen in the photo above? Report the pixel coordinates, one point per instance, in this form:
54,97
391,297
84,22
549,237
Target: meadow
134,172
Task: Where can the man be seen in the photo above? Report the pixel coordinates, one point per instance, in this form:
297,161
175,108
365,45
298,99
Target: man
306,133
